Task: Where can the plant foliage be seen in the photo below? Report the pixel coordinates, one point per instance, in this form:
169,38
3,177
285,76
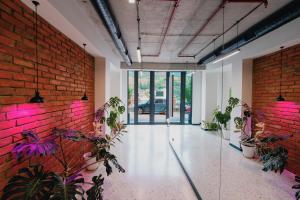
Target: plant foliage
95,192
297,187
275,159
32,183
34,146
68,188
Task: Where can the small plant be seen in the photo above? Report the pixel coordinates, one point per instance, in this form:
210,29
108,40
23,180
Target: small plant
297,187
34,182
209,126
273,155
223,118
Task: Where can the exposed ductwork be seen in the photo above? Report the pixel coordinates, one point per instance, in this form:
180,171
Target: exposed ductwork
103,9
213,14
282,16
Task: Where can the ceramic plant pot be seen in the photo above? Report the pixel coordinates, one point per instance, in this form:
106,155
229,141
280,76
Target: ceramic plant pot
248,151
226,134
89,160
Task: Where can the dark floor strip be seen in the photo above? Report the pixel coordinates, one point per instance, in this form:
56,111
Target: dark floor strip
186,174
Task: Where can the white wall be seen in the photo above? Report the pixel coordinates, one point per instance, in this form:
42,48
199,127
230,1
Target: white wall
196,101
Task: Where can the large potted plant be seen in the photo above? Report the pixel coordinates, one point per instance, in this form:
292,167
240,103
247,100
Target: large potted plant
109,114
247,139
35,182
222,118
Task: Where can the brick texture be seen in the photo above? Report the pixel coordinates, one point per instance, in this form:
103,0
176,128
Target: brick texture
281,117
61,81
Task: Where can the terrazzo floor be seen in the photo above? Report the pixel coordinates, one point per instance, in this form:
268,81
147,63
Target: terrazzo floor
242,179
153,172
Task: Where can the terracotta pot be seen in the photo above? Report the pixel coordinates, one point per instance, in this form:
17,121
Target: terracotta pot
89,160
248,151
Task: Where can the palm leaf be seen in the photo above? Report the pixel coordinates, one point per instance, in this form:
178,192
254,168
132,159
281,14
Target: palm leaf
68,188
31,183
73,135
34,146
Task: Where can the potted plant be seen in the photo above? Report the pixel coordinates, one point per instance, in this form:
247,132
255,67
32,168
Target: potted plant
222,118
109,114
247,139
35,182
297,187
209,126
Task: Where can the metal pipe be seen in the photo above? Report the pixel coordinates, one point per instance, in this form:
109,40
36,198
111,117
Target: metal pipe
103,9
222,4
228,29
176,3
180,54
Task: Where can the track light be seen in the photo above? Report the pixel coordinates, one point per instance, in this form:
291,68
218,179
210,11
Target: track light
138,53
227,56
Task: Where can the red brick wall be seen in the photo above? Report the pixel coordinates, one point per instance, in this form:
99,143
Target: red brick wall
281,117
61,83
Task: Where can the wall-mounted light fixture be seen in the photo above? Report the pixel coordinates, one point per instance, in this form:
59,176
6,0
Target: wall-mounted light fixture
131,1
280,97
84,97
37,98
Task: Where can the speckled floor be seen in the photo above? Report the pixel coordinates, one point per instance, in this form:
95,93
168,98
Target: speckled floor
153,173
242,179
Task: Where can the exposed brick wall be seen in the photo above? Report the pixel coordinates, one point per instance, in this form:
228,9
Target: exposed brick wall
61,84
281,117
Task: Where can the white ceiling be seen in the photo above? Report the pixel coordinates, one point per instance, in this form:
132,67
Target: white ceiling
189,17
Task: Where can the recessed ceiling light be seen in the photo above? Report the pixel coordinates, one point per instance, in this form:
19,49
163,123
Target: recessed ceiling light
131,1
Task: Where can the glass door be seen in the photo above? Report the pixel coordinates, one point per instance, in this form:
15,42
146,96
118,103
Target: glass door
144,105
158,97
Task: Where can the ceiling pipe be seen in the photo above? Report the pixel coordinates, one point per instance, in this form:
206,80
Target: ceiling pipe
103,9
221,5
228,29
176,3
282,16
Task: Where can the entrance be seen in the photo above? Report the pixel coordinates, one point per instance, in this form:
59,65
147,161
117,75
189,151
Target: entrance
155,97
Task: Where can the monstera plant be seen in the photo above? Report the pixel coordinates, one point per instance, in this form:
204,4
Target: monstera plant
36,183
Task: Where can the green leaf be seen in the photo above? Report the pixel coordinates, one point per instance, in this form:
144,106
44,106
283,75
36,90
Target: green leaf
31,183
95,192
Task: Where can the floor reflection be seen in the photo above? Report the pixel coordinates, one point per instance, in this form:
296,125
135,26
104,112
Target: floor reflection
199,152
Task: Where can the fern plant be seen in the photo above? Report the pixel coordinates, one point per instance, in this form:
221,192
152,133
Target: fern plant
35,183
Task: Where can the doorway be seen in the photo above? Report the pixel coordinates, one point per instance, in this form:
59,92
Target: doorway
158,97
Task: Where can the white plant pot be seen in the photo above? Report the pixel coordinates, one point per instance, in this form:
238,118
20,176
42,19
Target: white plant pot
226,134
248,152
89,160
